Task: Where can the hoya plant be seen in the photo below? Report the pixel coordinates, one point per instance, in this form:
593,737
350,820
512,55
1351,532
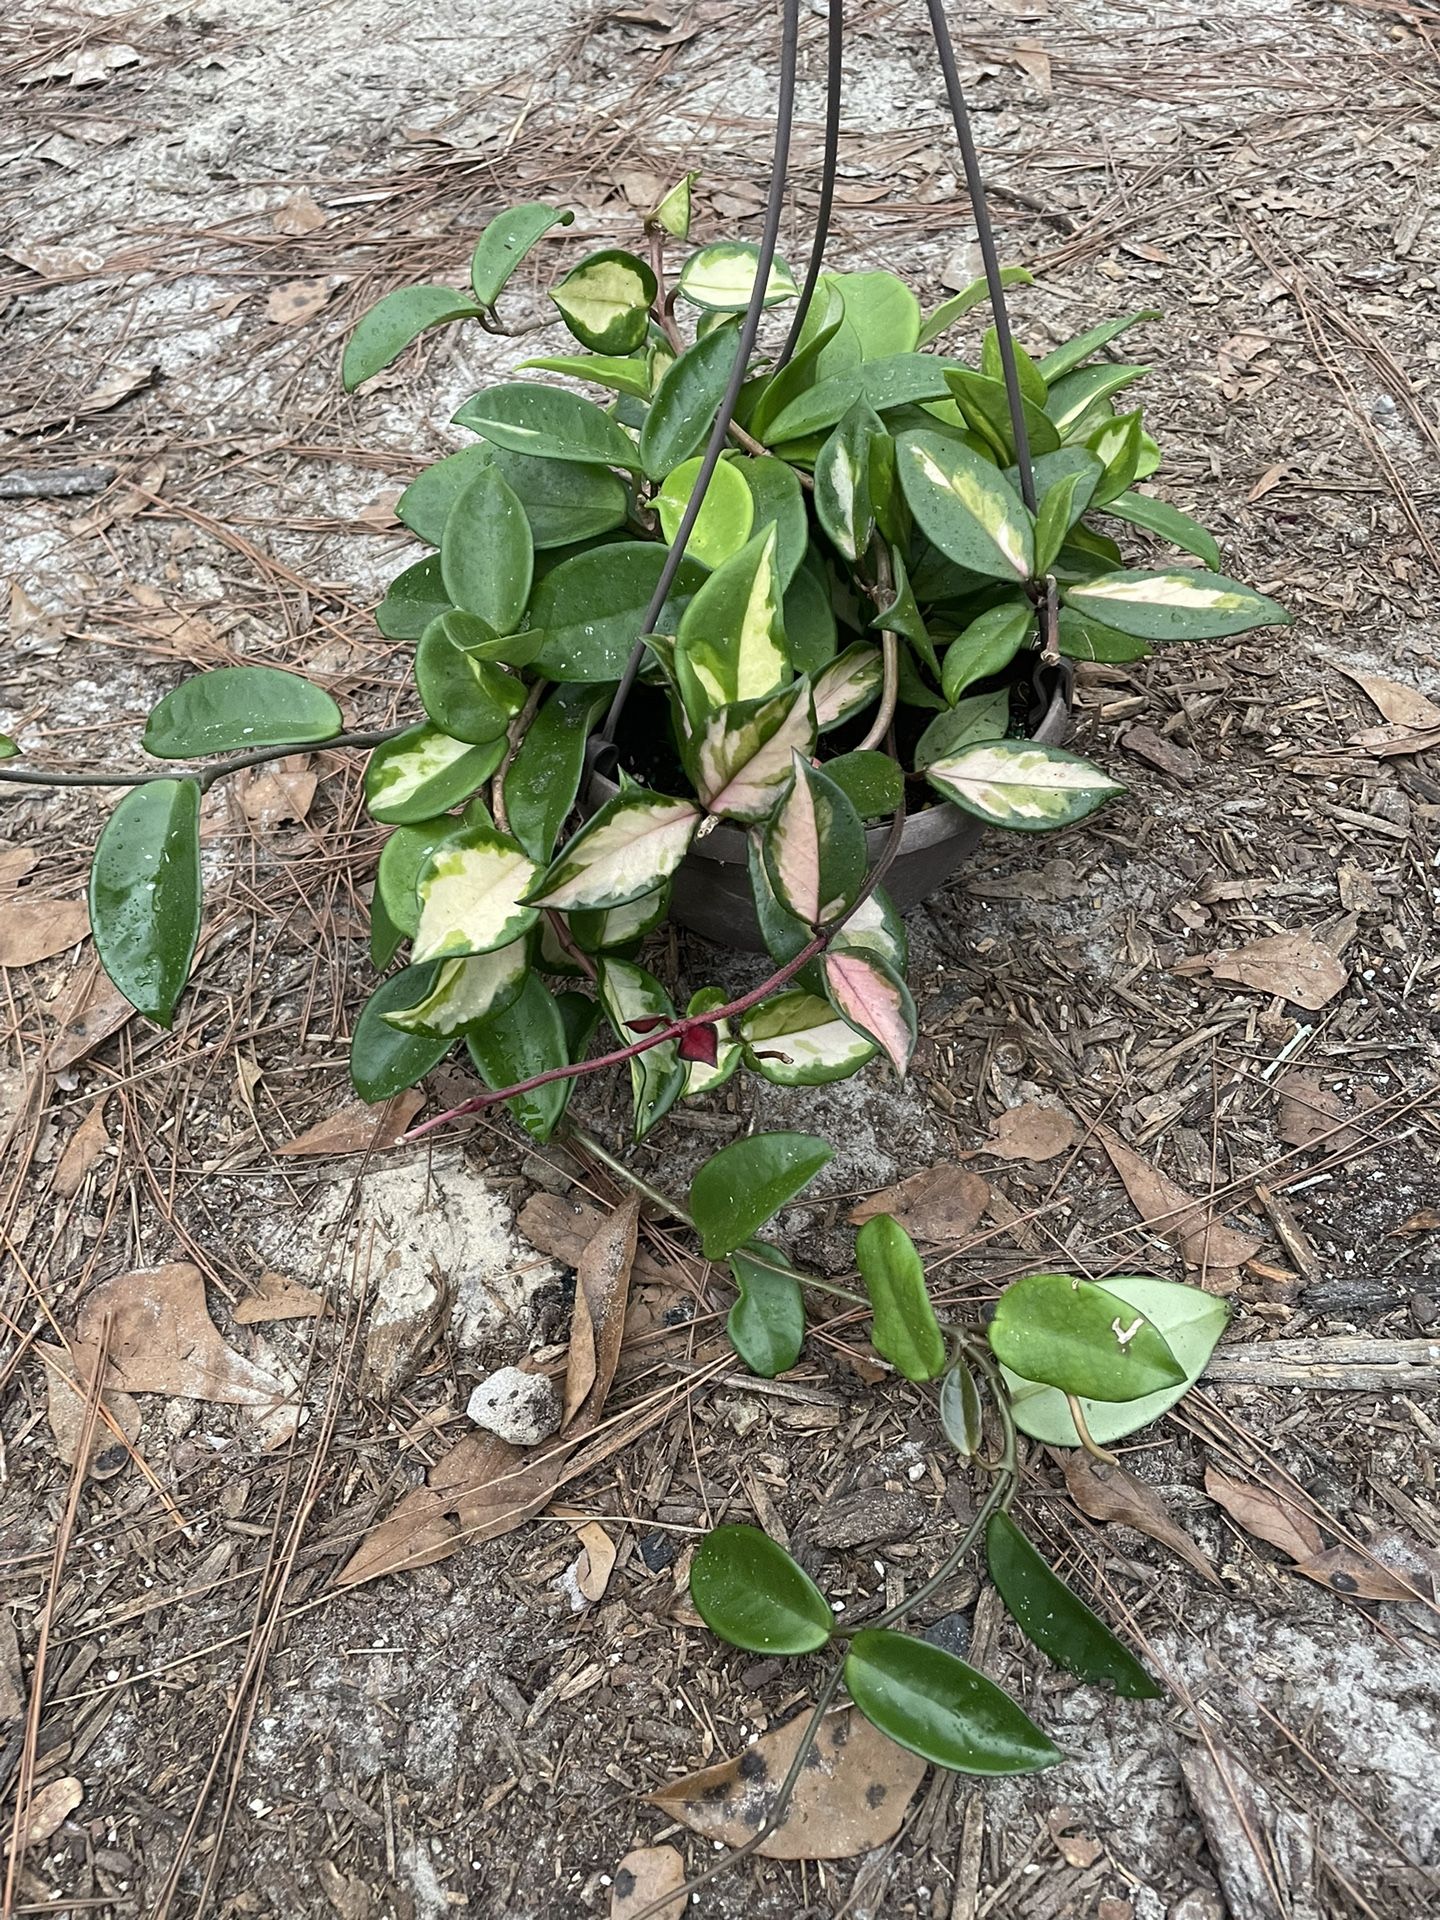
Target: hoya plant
651,665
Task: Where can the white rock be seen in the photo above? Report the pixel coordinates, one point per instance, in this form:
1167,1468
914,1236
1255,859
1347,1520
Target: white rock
518,1407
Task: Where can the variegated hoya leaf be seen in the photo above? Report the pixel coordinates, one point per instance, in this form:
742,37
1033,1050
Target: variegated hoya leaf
702,1076
876,927
844,500
848,685
721,278
629,994
471,895
796,1039
605,300
966,507
631,846
870,994
731,644
1019,783
596,932
742,758
1184,605
421,773
465,991
814,847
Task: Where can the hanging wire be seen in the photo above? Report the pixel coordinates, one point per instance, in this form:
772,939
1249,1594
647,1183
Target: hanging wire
829,165
749,327
975,186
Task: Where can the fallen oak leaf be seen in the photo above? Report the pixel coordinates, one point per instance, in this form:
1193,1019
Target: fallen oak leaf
602,1279
1295,966
51,1807
296,301
645,1875
1360,1576
36,930
357,1127
597,1560
1270,1515
1311,1115
1187,1223
65,1408
1425,1221
277,1298
943,1203
1031,1132
1400,705
82,1150
1109,1493
852,1793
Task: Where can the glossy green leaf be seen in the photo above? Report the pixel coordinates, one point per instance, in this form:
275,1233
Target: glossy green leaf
1191,1321
8,748
383,1060
806,612
1074,1335
1158,517
906,1332
803,370
814,847
465,991
487,555
983,716
882,312
630,374
1184,605
962,1413
1077,399
779,502
471,893
742,758
745,1184
844,502
987,646
1028,376
866,990
401,858
897,381
766,1325
601,929
506,241
464,693
721,278
1021,784
796,1039
983,404
544,777
549,424
427,502
749,1591
958,305
423,772
230,709
657,1076
726,516
1058,511
683,410
590,608
388,328
1056,1620
144,894
386,938
564,501
731,644
629,847
902,615
1118,443
1082,637
527,1038
414,598
966,507
1065,359
672,213
870,780
940,1708
605,300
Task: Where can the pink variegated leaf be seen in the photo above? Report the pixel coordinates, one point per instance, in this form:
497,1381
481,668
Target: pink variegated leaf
741,760
868,993
814,847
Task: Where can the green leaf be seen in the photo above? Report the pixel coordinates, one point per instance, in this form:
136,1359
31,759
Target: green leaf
386,938
984,405
1028,376
811,635
629,374
414,598
745,1184
742,757
779,502
848,685
731,644
605,301
966,507
527,1038
749,1591
506,241
1118,443
1071,1334
844,503
1065,359
549,424
672,213
1057,513
987,646
1019,783
564,501
591,606
683,410
427,502
940,1708
471,892
599,929
657,1076
388,328
145,894
1156,516
1184,605
630,847
865,989
1076,399
959,304
721,278
1190,1320
401,858
423,772
796,1039
903,614
870,780
906,1332
383,1060
782,933
8,748
700,1077
882,311
234,708
487,556
766,1325
1085,638
726,516
897,381
1056,1620
962,1412
806,366
544,777
984,716
465,991
814,847
466,695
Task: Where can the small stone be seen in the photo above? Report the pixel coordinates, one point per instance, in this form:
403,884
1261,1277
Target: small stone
658,1551
1423,1310
951,1633
518,1407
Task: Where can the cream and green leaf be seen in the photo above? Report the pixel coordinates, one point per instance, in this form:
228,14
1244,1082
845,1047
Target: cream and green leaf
1021,784
471,893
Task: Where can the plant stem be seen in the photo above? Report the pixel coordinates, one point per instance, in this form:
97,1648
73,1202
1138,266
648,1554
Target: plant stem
516,733
207,776
1087,1439
889,693
566,940
1001,1493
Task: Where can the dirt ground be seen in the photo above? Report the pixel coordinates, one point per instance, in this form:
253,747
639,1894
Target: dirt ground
199,199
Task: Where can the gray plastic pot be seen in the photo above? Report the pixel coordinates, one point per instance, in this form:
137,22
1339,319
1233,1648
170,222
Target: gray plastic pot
711,894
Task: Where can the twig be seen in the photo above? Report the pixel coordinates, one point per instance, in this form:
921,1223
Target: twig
207,776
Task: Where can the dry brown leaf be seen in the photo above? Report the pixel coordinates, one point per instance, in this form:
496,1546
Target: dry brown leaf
1186,1223
602,1283
1269,1515
116,387
597,1560
272,795
1310,1115
852,1795
51,1807
1402,706
82,1150
35,930
357,1128
1159,751
162,1340
277,1297
647,1874
15,863
89,1010
298,215
942,1203
1032,1133
1296,966
1034,63
1076,1847
65,1397
56,263
1360,1577
296,301
483,1487
1390,743
12,1671
1110,1494
1425,1221
564,1228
